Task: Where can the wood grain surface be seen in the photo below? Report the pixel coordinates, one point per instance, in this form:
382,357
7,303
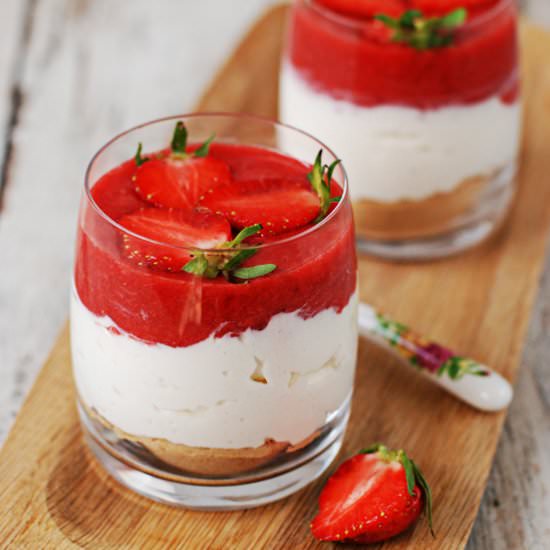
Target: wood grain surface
55,496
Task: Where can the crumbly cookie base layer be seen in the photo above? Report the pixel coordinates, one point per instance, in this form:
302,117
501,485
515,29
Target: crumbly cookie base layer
206,461
413,219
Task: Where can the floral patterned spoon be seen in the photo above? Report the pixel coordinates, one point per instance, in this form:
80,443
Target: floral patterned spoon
468,380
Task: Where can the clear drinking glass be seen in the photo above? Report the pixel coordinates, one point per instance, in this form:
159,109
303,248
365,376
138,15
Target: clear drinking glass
429,137
202,392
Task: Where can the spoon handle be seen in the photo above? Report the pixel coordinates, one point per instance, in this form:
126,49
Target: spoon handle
474,383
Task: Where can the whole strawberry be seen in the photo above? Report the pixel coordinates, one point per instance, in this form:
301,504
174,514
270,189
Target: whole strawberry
373,496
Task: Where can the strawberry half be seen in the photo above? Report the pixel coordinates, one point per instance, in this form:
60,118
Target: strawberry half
179,228
178,179
279,205
372,497
179,183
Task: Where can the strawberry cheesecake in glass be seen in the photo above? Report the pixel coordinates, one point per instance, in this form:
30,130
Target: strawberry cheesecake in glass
214,310
420,98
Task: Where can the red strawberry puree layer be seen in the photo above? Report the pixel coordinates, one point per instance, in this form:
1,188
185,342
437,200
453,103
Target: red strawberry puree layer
313,273
355,60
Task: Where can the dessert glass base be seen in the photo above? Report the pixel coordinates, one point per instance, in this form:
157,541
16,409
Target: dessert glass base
438,226
133,464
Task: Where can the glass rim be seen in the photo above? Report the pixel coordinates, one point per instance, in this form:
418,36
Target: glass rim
354,23
215,114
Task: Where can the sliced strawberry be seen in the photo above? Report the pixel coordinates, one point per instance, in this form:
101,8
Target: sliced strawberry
256,163
179,183
371,497
365,8
179,228
278,205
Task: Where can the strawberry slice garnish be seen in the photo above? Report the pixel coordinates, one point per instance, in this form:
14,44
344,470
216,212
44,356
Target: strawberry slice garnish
372,497
179,183
178,179
179,228
279,205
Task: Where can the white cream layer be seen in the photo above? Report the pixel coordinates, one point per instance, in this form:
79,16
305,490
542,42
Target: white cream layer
204,394
396,153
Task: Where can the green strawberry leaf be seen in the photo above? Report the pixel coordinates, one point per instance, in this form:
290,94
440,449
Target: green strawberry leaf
253,272
421,480
409,472
390,22
244,234
320,178
423,33
202,151
239,258
211,264
454,19
139,160
197,266
408,18
374,448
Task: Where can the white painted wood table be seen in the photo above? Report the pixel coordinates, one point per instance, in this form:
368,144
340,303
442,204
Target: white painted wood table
75,72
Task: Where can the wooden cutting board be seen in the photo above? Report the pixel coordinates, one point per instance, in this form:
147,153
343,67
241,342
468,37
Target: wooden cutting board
55,496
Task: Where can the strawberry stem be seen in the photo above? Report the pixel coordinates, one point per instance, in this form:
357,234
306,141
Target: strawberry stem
320,178
423,33
198,265
138,158
211,264
179,139
202,151
179,143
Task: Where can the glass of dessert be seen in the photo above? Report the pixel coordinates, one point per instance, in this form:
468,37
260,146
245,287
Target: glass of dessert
421,100
213,315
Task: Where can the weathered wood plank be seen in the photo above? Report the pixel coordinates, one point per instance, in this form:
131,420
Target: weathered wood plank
515,512
15,27
538,10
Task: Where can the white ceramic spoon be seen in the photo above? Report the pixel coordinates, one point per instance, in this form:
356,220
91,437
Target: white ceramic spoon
474,383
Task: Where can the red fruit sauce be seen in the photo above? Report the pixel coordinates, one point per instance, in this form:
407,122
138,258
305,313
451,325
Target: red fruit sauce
314,272
352,58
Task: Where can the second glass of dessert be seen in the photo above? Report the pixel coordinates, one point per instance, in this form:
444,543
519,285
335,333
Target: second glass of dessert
213,317
421,100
